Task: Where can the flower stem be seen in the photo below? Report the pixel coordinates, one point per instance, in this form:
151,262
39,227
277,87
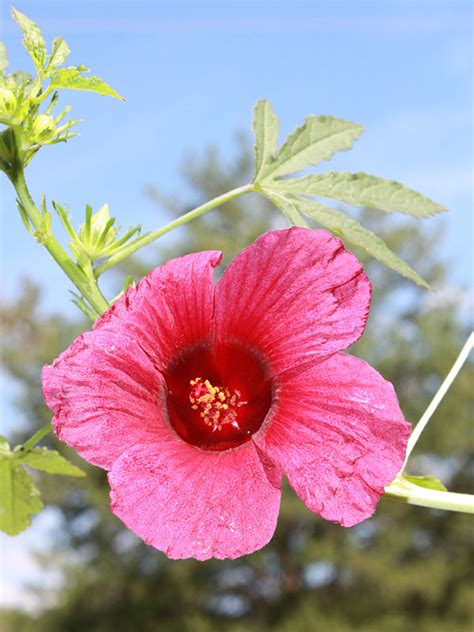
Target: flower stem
420,426
407,492
36,438
87,286
187,217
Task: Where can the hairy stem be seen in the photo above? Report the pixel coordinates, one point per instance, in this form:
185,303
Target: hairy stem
187,217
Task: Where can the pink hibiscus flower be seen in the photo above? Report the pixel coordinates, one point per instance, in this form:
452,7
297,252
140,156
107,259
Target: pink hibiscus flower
197,397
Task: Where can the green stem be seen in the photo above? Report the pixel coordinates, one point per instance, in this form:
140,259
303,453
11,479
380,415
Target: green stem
87,286
43,95
404,491
36,438
187,217
420,426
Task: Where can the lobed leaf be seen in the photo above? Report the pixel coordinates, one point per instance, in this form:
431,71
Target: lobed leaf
266,128
33,39
59,53
356,234
287,206
19,497
72,79
362,189
318,139
50,461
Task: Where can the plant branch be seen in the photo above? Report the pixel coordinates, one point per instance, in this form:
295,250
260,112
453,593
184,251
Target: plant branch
87,286
36,438
148,238
404,491
443,389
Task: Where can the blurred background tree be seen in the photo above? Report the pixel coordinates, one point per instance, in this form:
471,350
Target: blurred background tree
408,568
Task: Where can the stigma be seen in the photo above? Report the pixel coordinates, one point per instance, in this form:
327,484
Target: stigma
217,405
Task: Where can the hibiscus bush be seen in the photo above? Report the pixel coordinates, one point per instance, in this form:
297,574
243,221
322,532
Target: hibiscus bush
198,398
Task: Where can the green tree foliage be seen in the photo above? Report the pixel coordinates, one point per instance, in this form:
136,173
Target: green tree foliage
408,568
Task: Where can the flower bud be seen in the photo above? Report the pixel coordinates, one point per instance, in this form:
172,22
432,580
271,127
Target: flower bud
98,233
43,128
7,102
98,223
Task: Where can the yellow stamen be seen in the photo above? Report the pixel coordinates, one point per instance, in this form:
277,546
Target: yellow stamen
217,404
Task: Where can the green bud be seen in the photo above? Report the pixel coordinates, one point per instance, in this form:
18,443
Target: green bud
98,232
99,223
43,128
7,102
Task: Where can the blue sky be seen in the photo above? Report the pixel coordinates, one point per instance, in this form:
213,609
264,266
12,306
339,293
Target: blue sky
191,72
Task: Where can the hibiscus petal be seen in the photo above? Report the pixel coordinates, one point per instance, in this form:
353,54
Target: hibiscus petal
189,502
171,308
106,394
295,295
339,435
106,389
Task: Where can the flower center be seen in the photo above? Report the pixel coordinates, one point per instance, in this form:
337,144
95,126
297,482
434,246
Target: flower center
217,398
217,405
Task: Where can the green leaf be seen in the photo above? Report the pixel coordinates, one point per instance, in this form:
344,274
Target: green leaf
362,189
49,461
19,497
287,206
266,128
65,220
318,139
356,234
430,482
72,79
59,53
33,39
3,57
